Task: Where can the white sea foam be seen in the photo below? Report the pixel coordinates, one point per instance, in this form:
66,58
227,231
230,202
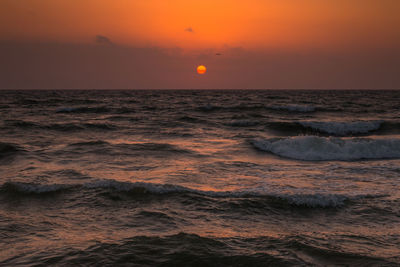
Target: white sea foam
343,128
294,108
322,148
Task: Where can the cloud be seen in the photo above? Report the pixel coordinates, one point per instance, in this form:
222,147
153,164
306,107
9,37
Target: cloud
190,29
100,39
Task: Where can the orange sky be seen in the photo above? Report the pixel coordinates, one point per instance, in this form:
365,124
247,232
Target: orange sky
159,44
247,23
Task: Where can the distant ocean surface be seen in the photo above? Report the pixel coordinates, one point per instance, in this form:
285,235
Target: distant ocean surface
200,178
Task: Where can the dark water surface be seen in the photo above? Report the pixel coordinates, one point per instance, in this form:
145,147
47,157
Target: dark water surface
203,178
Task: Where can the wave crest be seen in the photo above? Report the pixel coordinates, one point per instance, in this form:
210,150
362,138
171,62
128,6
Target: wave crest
323,148
316,200
343,128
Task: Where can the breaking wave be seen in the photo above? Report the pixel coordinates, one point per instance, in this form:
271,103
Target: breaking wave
323,148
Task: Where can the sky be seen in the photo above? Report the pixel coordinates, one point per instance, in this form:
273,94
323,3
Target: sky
157,44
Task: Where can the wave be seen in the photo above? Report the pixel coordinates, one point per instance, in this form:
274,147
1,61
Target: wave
83,110
77,101
191,119
208,107
335,128
317,200
107,148
307,200
63,127
242,123
21,124
241,107
26,101
90,143
4,106
343,128
7,149
158,147
323,148
289,108
122,118
139,187
293,108
32,188
180,248
125,110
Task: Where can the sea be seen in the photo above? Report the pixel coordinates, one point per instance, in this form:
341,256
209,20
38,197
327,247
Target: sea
199,178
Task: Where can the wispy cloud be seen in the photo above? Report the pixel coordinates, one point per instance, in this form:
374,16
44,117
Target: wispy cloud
100,39
189,29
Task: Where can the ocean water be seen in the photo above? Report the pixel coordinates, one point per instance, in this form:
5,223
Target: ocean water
200,178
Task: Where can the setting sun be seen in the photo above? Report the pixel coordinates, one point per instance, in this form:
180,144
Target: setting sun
201,69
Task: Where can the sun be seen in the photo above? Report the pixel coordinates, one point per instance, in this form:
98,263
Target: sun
201,69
